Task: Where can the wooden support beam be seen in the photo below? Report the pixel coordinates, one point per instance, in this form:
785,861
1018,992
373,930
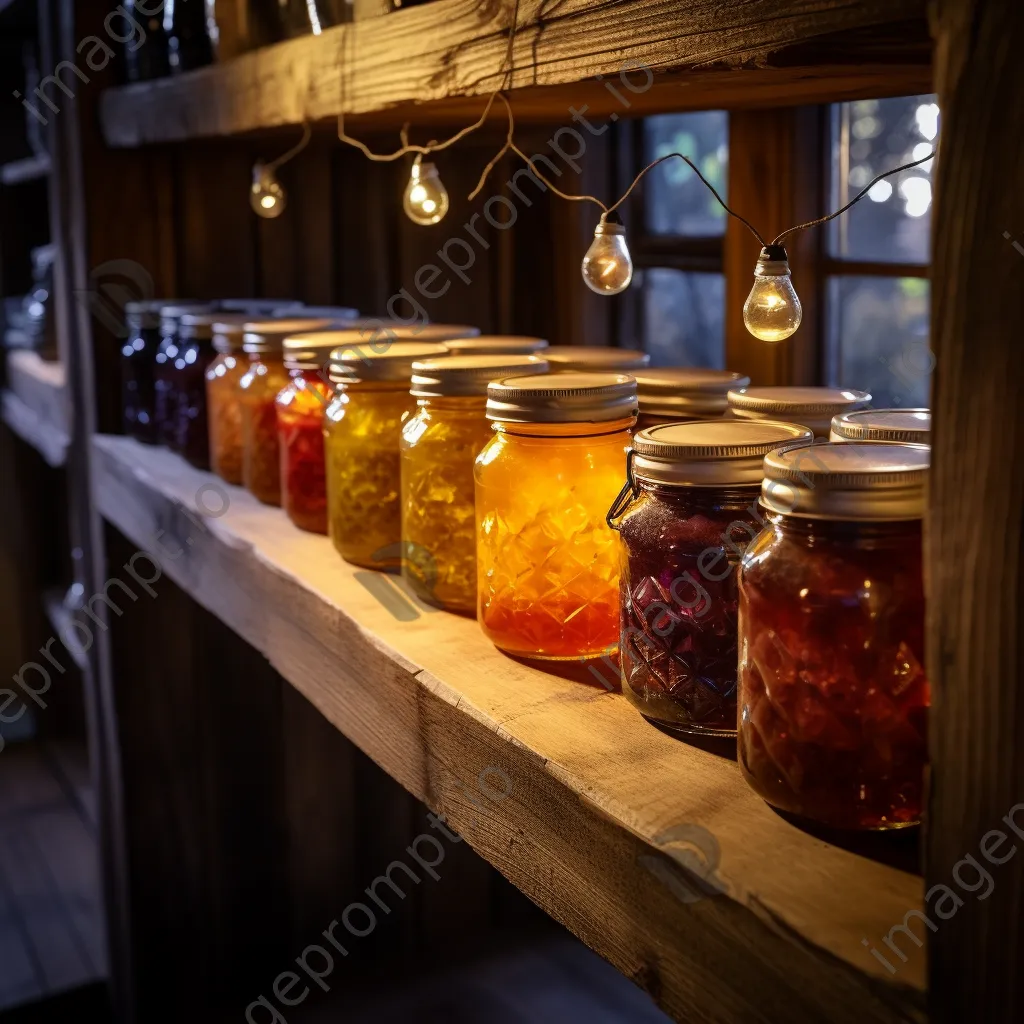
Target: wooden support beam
975,537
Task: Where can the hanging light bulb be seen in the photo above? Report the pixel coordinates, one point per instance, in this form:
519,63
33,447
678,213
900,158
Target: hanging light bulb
772,311
426,199
266,196
608,267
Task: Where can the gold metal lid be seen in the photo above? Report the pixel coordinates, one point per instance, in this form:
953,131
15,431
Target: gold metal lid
311,350
268,335
228,332
685,391
496,345
198,325
809,406
591,358
568,397
171,313
432,333
358,363
852,480
904,426
711,452
468,375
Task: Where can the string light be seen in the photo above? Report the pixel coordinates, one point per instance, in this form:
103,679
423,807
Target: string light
608,267
426,199
772,311
267,196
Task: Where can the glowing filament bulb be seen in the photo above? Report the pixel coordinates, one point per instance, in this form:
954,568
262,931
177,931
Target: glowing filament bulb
266,196
772,311
426,199
607,267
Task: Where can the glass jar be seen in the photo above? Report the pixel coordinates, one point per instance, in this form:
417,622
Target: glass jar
810,407
547,561
833,694
675,394
496,345
300,429
362,432
223,377
900,426
595,359
188,380
686,515
440,443
165,395
188,35
138,365
263,343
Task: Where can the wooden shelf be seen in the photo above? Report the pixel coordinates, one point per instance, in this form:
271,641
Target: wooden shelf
34,404
434,62
608,819
30,169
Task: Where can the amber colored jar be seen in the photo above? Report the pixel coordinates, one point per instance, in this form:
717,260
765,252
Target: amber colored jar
440,443
686,515
833,694
300,427
547,561
811,407
223,403
362,433
677,394
263,343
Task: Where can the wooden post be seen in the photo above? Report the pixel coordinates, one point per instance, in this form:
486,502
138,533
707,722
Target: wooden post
975,570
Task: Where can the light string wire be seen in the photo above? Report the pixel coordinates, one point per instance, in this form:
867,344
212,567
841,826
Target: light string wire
434,146
307,134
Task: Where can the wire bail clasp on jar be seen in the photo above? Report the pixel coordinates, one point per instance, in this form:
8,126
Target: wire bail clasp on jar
630,491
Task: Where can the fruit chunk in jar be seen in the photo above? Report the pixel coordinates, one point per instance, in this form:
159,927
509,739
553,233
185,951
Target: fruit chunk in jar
261,460
548,563
833,695
225,415
300,413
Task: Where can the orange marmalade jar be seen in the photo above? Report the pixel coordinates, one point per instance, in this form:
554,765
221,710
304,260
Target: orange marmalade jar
677,394
547,561
440,443
263,343
300,413
224,411
362,433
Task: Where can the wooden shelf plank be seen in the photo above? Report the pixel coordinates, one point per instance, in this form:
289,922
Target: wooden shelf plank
427,63
608,820
34,404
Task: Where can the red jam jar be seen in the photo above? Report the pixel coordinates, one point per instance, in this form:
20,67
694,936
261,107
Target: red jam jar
811,407
674,394
300,430
833,694
686,515
898,426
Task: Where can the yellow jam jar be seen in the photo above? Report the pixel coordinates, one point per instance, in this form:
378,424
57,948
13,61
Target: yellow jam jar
440,443
547,561
362,432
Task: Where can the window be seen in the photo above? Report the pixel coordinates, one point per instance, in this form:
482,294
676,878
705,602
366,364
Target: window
677,245
876,330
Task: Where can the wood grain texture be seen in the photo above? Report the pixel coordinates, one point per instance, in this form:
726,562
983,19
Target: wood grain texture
975,537
414,62
594,789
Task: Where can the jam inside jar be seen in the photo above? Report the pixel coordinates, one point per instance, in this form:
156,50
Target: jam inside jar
832,688
686,515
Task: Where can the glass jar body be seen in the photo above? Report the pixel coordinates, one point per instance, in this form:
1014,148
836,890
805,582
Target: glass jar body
224,412
138,397
300,415
547,561
832,694
362,431
188,382
681,548
165,395
440,443
261,459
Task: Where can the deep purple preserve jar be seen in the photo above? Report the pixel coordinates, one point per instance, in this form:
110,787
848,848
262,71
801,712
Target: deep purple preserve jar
686,515
165,395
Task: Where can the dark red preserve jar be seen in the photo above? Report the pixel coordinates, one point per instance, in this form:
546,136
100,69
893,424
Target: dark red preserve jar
832,689
194,354
686,516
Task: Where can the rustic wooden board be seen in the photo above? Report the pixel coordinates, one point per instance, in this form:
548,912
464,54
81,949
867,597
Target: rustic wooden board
416,62
35,404
595,792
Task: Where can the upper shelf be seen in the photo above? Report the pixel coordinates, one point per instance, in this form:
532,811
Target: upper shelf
652,850
434,62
